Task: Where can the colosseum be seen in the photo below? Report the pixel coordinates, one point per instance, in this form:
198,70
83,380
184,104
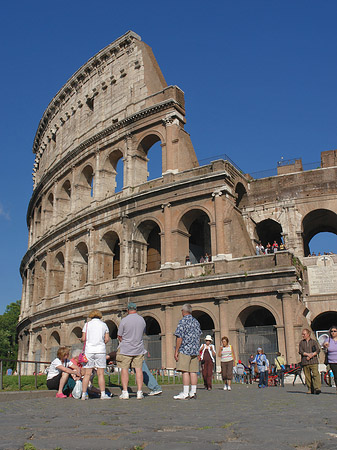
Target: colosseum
102,233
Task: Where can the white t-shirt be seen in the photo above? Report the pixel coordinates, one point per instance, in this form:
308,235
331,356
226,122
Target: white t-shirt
53,370
95,336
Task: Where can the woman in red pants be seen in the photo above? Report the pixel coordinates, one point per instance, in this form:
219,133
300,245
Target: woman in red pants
207,355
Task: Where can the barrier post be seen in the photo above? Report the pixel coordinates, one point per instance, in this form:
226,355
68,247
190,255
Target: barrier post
1,379
19,375
35,371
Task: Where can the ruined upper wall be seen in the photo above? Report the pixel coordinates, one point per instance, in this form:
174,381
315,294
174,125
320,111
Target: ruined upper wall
119,81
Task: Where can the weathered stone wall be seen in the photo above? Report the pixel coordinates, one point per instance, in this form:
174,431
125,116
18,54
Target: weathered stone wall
91,246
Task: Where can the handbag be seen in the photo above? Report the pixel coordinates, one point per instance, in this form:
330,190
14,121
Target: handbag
82,359
326,356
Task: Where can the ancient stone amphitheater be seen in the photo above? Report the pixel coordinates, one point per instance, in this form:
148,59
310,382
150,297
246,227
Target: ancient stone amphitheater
101,234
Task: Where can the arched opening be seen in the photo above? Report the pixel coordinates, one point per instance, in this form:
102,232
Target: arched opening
57,275
148,247
269,231
85,187
321,222
75,336
112,345
80,266
112,178
42,280
48,211
206,323
195,238
257,329
324,321
152,343
37,217
149,165
241,195
53,344
63,201
110,255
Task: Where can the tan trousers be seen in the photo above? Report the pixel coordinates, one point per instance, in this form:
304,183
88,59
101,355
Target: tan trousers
312,377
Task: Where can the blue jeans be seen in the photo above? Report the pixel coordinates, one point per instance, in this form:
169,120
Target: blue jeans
149,379
263,378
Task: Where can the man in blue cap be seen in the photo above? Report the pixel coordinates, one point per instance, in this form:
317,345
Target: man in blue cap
131,349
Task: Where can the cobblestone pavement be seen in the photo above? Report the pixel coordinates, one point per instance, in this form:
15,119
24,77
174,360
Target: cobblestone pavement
246,418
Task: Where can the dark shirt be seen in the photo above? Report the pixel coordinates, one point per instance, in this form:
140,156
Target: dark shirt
309,346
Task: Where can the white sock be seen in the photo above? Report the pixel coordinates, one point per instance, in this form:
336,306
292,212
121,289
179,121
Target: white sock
193,389
139,391
124,392
102,392
186,389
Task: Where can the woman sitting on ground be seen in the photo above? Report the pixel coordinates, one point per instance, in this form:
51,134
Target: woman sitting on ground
58,374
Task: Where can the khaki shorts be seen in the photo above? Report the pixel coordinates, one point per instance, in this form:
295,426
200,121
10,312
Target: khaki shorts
127,361
187,363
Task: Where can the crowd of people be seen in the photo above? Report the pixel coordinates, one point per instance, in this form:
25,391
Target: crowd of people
73,376
269,249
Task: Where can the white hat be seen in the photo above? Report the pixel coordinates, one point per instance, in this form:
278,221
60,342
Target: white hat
208,338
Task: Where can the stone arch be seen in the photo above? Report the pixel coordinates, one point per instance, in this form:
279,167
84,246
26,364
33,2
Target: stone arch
112,177
48,211
194,235
324,320
110,255
41,285
113,343
53,344
80,266
57,274
145,149
207,322
241,195
64,199
148,246
152,342
75,336
85,186
317,221
268,231
257,328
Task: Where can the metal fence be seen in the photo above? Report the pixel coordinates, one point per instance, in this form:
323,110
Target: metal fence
19,363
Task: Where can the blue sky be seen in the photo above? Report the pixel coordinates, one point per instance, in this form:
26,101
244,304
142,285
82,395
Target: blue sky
259,78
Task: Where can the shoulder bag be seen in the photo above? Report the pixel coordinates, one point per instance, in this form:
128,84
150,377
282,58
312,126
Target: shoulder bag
82,359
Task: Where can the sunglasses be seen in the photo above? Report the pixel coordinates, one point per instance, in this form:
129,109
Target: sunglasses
333,331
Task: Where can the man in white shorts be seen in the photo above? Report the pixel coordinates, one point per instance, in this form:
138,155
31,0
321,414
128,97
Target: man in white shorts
95,334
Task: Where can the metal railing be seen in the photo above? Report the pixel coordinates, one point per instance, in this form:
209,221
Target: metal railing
18,363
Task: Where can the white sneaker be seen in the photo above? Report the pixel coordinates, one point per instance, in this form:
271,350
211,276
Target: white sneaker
181,396
225,387
140,395
159,391
105,396
229,388
124,396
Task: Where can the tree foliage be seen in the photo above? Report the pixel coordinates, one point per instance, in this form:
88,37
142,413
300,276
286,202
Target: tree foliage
8,333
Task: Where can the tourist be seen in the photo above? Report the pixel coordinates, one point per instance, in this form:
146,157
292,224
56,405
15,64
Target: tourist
227,355
186,352
262,366
187,261
330,345
95,335
275,247
251,367
148,378
280,368
207,357
257,249
58,374
309,350
131,350
240,371
268,248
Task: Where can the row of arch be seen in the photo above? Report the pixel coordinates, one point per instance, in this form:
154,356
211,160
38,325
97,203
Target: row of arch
256,325
315,222
95,181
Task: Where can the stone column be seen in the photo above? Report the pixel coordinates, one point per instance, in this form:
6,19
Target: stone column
219,224
48,272
223,315
92,256
169,337
167,257
288,314
67,266
97,183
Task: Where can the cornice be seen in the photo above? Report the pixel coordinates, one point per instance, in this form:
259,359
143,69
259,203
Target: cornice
77,80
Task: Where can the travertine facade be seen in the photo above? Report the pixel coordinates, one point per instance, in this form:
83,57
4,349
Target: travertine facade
91,245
